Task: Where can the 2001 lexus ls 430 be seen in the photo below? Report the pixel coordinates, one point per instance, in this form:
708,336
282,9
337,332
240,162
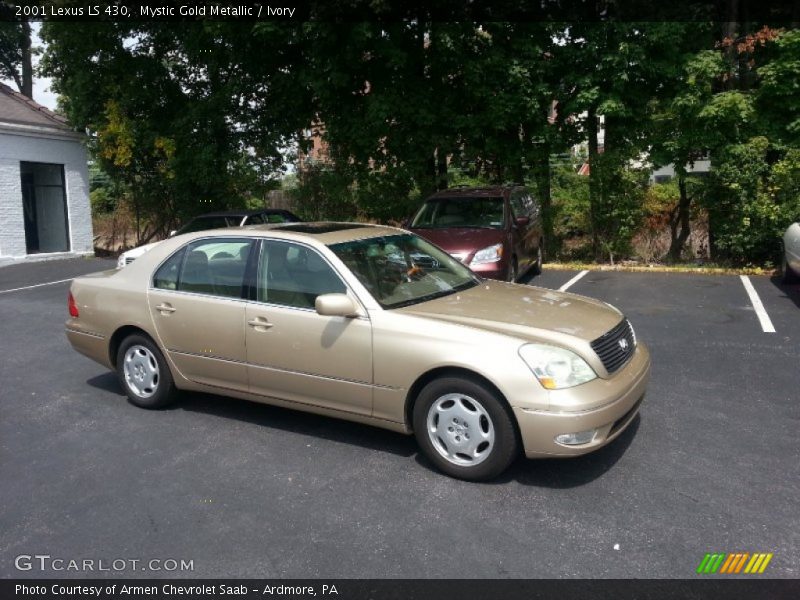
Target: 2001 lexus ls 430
372,324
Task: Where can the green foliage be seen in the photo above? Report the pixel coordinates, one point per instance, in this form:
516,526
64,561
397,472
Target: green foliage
751,202
619,208
324,193
570,194
178,114
101,200
778,97
188,118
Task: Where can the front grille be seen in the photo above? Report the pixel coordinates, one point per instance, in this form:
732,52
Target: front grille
616,347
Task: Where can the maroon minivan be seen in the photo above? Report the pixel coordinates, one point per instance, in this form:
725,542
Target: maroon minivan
495,231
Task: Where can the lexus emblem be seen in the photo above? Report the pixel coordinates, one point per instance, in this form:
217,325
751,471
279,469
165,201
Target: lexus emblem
623,344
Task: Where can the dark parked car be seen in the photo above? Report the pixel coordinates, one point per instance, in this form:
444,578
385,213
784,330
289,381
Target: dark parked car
218,220
496,231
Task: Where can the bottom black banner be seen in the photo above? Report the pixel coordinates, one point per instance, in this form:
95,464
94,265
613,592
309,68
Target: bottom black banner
390,589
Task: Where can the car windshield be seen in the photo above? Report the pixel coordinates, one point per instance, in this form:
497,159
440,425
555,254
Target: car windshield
400,270
203,223
468,212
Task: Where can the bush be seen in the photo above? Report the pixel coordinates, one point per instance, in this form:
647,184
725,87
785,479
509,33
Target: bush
751,202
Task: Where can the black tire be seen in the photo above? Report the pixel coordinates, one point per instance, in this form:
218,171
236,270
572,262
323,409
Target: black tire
537,266
505,445
156,387
789,276
513,270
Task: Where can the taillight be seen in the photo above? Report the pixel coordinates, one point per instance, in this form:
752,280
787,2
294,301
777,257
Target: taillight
73,308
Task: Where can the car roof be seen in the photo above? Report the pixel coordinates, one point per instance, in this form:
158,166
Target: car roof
324,232
489,191
242,213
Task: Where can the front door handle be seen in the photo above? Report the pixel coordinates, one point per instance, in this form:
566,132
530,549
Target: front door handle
165,308
259,324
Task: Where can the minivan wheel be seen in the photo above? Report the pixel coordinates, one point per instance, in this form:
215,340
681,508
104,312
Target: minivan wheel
143,373
464,429
513,270
537,267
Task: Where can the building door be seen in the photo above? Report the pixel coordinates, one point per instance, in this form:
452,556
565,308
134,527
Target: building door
44,202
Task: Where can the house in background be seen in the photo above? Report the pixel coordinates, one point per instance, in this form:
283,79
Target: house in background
44,183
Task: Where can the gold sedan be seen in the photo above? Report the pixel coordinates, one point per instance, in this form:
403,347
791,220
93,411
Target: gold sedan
371,324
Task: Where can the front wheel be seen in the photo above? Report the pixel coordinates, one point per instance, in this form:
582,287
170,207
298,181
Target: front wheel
513,270
143,373
465,429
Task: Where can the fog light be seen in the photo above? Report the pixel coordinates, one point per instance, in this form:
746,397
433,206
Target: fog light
575,439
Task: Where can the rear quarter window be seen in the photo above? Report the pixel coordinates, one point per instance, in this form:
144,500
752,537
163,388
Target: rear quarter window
166,277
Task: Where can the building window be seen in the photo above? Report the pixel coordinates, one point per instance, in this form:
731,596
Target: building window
44,203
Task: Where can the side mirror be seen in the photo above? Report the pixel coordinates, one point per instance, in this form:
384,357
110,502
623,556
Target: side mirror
173,232
522,221
336,305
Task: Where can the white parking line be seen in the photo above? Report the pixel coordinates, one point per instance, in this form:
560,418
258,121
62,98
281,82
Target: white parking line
763,317
30,287
569,284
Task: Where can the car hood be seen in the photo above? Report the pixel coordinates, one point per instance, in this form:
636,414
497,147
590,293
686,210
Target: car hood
522,311
461,240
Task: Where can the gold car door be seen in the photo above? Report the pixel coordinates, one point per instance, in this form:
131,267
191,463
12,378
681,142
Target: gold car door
197,308
295,354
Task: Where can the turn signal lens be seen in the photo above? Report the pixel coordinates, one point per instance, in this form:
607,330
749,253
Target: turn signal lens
73,308
576,439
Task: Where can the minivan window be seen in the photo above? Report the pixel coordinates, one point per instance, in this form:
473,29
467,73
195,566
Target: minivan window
466,212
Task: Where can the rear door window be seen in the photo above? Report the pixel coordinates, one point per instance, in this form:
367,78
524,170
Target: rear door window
214,267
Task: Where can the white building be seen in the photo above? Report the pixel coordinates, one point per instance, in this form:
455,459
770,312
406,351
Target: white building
44,183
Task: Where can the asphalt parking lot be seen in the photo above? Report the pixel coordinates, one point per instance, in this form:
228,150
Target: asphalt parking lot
247,490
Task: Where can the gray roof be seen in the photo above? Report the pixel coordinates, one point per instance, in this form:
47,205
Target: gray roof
19,109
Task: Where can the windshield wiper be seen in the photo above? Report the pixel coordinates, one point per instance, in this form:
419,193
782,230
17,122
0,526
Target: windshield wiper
435,295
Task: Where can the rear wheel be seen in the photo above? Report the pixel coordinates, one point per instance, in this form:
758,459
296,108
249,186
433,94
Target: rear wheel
464,429
143,373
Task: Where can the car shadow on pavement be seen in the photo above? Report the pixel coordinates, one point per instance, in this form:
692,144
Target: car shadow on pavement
107,382
571,472
792,290
275,417
552,473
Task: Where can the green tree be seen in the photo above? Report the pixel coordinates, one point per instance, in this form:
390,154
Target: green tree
617,71
16,55
187,118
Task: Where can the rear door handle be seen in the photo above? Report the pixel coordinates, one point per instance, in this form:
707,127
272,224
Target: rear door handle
259,324
167,308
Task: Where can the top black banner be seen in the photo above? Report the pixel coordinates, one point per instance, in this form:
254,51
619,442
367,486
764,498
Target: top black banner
787,11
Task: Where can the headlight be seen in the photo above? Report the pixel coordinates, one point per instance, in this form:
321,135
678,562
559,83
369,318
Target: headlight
556,368
121,261
488,255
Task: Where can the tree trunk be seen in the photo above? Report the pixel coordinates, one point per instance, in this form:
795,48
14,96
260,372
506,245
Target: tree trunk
541,175
441,167
27,61
594,187
680,218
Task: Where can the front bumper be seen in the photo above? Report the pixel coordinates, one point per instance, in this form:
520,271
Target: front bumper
622,397
496,270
